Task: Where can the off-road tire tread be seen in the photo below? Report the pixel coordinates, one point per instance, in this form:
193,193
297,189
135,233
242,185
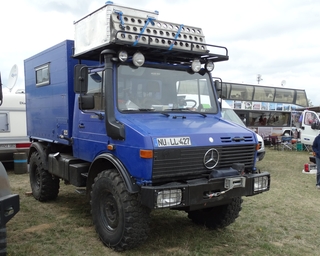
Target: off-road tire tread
136,216
49,185
219,216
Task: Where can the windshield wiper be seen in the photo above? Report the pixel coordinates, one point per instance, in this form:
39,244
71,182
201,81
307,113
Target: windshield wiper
175,109
146,109
200,113
139,109
186,109
153,110
164,113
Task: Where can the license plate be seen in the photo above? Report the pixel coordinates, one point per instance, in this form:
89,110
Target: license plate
7,146
173,142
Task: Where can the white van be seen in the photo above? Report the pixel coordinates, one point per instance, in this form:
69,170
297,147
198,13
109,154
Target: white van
309,127
228,114
13,128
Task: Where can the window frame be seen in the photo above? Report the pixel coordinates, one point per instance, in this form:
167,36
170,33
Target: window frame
41,68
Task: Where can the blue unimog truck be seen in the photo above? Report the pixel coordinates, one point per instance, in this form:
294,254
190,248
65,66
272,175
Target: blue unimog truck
129,112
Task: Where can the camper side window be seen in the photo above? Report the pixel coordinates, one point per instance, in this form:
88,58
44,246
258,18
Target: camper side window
43,75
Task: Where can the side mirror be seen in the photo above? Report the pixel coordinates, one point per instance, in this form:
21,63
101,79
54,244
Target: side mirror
86,102
315,126
222,91
80,78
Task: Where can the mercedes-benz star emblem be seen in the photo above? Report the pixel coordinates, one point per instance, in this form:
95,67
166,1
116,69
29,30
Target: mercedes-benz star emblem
211,158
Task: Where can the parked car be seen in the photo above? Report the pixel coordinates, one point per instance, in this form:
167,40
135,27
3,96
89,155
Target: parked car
229,114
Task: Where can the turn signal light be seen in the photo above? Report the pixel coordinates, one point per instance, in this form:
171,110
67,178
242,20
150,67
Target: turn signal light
144,153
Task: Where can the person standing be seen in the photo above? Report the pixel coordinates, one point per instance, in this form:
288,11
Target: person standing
316,153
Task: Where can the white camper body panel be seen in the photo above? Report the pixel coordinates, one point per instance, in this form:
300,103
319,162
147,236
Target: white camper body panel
13,127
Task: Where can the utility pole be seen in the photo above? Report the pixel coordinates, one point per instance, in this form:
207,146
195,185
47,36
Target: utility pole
259,78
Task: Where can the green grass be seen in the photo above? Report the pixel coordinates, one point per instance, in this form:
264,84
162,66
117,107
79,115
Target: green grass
283,221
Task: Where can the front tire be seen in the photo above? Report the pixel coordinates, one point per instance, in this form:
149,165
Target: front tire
217,217
43,185
119,218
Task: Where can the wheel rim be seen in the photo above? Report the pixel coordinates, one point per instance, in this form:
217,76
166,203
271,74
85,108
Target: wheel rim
36,177
110,212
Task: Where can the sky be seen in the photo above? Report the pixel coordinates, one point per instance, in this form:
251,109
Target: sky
276,39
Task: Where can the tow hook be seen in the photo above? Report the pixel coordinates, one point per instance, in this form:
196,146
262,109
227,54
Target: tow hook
229,183
209,195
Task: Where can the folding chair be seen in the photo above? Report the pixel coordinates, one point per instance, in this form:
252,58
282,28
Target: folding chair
307,147
286,143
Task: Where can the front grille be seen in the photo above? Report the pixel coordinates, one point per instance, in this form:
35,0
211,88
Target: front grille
229,139
185,163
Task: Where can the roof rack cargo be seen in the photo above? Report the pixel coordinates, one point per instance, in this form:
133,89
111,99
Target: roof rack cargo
113,26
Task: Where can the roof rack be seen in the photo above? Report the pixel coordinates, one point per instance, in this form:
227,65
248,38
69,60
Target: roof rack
114,27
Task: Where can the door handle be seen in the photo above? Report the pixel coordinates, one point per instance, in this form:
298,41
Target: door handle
81,126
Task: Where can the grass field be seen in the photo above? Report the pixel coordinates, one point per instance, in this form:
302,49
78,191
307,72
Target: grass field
283,221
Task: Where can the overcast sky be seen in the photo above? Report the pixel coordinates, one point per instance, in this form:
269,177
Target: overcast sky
278,39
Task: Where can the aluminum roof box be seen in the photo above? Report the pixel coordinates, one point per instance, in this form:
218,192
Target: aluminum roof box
113,24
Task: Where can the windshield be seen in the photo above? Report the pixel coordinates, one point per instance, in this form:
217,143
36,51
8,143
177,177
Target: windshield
154,89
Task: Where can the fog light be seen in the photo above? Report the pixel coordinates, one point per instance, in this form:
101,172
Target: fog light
138,59
167,198
196,65
261,183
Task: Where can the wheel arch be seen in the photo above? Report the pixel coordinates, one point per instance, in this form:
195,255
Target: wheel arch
41,149
109,161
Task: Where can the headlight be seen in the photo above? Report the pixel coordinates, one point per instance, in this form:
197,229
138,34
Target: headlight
170,197
261,183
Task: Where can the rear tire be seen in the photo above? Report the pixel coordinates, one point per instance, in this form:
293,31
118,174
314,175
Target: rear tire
119,218
44,186
217,217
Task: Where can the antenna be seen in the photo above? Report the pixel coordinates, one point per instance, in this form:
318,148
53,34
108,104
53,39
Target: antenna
13,76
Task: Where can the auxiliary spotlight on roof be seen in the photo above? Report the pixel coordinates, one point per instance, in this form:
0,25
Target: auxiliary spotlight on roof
138,59
123,56
209,66
196,65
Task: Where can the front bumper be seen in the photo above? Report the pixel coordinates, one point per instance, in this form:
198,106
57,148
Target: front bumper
261,155
204,192
9,207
